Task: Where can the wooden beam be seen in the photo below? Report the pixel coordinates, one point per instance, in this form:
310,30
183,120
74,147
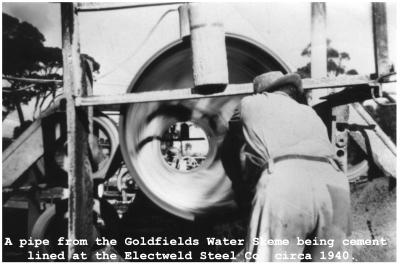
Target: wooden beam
336,82
318,48
26,149
22,153
162,95
382,148
379,26
319,69
98,6
230,90
80,203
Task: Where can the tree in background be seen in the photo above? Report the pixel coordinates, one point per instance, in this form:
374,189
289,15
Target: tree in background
25,56
336,62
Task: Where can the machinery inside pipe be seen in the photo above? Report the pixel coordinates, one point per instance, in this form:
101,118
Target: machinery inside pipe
207,188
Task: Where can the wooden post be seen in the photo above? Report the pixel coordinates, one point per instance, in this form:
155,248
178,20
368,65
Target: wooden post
379,26
319,69
210,66
184,28
80,185
318,48
382,148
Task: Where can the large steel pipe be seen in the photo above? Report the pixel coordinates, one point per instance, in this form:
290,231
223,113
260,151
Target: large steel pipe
206,188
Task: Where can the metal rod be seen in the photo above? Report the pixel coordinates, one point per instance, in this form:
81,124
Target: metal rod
230,90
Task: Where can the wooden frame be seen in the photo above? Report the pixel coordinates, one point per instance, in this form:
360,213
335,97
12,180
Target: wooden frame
80,185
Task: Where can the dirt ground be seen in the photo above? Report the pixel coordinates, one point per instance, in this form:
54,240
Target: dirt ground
374,216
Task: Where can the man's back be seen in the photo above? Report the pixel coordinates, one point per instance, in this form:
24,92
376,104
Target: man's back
304,196
274,125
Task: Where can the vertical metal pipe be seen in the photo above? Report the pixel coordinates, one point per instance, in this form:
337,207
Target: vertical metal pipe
80,203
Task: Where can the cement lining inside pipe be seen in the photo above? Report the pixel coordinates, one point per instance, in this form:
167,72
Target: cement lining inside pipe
197,192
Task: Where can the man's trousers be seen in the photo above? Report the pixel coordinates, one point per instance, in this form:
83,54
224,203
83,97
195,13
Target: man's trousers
300,199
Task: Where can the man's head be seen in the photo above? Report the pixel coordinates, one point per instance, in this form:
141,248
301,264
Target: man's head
274,81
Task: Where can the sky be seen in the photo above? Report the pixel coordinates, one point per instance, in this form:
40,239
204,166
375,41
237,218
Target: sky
116,38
